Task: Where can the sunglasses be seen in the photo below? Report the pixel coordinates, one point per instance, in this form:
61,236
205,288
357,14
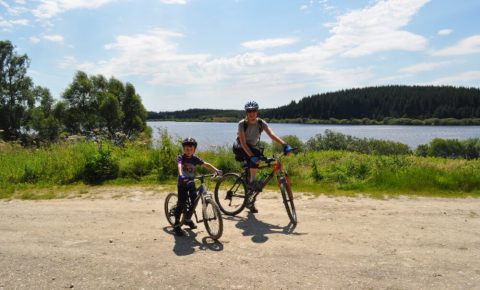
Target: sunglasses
249,111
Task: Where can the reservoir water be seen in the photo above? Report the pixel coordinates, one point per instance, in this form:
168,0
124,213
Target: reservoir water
219,134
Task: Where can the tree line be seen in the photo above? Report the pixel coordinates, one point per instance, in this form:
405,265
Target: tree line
371,103
91,106
377,103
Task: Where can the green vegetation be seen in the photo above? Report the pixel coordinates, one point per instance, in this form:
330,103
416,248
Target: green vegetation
91,106
377,170
97,134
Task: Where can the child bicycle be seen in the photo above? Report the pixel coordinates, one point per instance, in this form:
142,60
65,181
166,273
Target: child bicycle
211,215
232,193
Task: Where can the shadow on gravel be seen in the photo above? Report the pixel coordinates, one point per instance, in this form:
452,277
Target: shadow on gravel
187,244
259,230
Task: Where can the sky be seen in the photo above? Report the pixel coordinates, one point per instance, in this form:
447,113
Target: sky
182,54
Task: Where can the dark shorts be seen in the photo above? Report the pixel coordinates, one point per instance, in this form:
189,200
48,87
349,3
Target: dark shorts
240,154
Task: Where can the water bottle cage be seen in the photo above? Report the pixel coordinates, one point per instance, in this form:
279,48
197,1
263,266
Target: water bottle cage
208,196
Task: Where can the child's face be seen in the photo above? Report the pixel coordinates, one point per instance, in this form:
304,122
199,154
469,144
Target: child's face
188,150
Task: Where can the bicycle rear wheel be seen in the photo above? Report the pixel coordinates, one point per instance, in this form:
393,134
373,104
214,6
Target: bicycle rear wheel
170,208
287,197
212,218
230,194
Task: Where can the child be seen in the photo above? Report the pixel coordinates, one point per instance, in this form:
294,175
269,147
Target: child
186,172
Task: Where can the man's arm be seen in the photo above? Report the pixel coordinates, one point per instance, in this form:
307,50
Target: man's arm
243,143
274,137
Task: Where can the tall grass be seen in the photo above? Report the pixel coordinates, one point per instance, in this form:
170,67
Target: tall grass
340,171
328,171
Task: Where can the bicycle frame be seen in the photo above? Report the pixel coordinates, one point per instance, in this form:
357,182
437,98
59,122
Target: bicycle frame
202,194
276,164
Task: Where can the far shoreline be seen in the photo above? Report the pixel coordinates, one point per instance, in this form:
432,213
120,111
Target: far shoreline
362,122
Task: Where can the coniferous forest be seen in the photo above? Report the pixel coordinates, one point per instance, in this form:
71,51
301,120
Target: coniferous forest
374,103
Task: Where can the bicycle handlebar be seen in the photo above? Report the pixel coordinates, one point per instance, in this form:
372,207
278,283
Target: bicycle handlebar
272,159
201,177
205,176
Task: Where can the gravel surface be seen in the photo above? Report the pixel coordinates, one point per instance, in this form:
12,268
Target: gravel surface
109,239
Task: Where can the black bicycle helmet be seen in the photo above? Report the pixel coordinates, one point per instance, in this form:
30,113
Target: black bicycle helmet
189,141
251,105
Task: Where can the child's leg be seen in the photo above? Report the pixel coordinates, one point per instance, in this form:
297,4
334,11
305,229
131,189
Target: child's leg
181,202
192,194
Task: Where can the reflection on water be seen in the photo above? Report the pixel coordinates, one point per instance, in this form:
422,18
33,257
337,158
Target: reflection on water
219,134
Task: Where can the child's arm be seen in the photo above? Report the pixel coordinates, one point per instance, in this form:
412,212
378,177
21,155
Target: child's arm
180,172
211,167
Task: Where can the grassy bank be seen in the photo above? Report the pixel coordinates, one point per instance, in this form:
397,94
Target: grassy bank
43,173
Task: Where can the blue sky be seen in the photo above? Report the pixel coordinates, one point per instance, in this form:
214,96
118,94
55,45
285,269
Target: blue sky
182,54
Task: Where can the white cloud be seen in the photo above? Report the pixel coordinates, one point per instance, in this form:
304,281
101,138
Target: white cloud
444,32
49,8
34,39
459,78
303,7
6,23
181,2
425,66
154,55
267,43
376,28
468,45
54,38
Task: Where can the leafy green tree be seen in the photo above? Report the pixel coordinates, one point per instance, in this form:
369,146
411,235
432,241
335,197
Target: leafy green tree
111,112
135,115
43,120
81,99
16,96
95,105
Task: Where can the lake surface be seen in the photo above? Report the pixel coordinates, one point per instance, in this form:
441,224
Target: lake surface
218,134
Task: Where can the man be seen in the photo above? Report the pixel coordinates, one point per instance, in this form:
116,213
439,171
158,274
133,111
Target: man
248,136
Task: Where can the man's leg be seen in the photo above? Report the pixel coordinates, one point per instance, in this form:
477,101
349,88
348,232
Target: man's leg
253,174
252,186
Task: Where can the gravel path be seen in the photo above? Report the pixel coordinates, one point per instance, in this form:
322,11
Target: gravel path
122,241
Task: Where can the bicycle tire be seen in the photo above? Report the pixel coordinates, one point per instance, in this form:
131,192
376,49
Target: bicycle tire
212,218
170,206
287,197
230,194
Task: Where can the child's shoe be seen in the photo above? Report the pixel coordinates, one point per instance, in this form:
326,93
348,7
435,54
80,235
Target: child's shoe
178,231
191,224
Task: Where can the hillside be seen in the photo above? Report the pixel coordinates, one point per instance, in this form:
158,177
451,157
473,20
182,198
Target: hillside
375,103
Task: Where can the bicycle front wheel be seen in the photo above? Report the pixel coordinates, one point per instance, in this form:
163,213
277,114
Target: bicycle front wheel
171,207
287,197
212,218
230,194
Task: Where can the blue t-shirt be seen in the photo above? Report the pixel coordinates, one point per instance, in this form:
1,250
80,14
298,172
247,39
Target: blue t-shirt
188,164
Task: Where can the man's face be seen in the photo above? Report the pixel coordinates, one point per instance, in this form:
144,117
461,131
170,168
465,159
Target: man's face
188,150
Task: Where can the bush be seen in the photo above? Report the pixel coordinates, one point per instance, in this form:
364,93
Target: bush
164,156
338,141
101,166
291,140
450,148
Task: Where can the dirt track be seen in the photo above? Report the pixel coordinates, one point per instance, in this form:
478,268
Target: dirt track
339,243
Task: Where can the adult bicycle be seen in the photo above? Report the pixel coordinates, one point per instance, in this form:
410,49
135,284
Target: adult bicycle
211,214
233,192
